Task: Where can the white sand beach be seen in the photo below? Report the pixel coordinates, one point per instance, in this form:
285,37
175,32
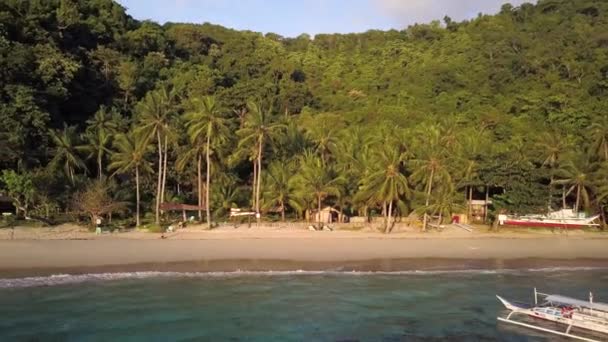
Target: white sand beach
231,249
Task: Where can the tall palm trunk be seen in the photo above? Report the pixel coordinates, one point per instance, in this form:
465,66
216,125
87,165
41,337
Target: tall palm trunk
160,175
550,190
282,210
564,197
578,196
136,196
162,193
208,178
126,100
319,212
485,210
387,229
428,198
470,206
257,190
384,211
99,166
200,186
254,183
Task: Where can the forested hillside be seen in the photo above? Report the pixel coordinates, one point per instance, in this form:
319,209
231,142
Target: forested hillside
99,107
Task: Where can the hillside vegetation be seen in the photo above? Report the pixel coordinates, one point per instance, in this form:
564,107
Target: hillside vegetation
122,114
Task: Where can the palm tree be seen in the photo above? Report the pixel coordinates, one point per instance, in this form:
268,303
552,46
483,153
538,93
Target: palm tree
194,152
471,154
278,191
129,155
599,133
430,163
325,138
300,201
257,129
601,188
353,157
104,121
387,183
96,147
154,122
65,151
352,149
241,113
226,194
249,152
445,202
315,177
552,147
292,143
578,174
206,121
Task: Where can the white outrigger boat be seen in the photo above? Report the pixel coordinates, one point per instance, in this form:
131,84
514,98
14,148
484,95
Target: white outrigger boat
564,218
571,312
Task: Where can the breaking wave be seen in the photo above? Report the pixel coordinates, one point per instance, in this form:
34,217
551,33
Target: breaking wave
68,279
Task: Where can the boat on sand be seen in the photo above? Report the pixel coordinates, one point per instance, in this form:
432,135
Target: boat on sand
564,218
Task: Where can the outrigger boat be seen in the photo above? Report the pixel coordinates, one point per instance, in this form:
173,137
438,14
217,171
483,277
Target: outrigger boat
571,312
565,218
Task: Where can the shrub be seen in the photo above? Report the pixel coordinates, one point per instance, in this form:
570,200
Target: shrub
95,201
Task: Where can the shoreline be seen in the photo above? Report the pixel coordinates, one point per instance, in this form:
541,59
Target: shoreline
383,266
19,258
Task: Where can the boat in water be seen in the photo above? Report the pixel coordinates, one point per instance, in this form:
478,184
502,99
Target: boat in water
569,312
564,218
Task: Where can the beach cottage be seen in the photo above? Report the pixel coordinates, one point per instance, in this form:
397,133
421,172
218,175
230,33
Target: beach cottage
328,215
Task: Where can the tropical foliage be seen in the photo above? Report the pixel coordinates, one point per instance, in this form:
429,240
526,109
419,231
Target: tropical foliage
510,107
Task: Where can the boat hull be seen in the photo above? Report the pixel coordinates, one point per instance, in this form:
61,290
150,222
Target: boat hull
540,224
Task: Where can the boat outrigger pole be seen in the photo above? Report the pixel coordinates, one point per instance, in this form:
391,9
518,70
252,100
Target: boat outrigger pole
551,331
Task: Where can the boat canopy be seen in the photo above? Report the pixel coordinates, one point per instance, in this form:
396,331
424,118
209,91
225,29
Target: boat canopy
563,300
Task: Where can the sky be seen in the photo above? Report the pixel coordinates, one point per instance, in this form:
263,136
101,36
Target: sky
291,18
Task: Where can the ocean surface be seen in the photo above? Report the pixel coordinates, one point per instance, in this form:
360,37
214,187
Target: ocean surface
281,306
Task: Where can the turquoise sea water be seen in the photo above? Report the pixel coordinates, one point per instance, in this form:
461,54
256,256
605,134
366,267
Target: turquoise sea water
280,306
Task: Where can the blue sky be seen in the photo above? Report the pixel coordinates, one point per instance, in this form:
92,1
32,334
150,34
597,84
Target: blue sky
293,17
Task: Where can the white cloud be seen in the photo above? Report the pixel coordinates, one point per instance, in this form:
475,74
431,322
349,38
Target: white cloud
407,12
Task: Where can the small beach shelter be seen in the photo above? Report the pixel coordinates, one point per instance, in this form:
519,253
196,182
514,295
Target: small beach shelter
328,215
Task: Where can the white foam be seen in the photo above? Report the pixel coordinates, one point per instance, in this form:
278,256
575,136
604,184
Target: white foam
67,279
